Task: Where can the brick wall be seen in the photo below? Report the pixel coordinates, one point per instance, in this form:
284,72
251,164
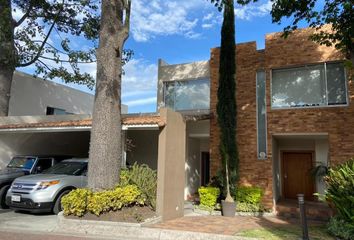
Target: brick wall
338,122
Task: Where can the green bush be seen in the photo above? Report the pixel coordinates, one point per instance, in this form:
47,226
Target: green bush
75,202
144,178
340,191
248,207
80,201
208,197
250,195
341,228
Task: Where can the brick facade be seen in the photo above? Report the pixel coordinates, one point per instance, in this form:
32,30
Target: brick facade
297,50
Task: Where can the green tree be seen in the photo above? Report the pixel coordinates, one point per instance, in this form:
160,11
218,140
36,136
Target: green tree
26,41
338,13
226,105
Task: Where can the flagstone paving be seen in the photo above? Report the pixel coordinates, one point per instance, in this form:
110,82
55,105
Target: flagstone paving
227,225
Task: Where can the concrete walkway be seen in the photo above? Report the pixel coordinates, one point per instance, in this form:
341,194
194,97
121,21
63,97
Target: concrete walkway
189,227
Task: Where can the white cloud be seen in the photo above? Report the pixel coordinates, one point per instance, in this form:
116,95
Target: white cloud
139,84
159,17
247,12
253,10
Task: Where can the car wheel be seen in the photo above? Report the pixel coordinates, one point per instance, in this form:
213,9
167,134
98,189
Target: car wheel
57,205
3,192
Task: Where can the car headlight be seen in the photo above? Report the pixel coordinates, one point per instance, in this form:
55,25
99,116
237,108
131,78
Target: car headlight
44,185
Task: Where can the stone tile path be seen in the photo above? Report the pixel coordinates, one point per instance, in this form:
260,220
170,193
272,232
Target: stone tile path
225,225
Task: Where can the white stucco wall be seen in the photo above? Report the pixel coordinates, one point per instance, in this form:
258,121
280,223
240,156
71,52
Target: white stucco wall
43,143
179,72
197,142
145,149
31,96
321,151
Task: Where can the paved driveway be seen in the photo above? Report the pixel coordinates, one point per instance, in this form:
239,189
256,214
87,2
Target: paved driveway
26,221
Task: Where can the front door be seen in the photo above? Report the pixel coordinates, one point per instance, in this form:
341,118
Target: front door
297,175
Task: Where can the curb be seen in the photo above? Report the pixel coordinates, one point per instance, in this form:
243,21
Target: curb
132,230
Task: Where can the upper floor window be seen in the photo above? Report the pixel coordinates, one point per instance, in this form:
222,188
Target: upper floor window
309,86
56,111
187,95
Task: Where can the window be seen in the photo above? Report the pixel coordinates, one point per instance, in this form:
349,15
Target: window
309,86
43,164
261,115
187,95
56,111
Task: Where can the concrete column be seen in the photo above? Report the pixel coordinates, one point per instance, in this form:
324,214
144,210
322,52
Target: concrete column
171,161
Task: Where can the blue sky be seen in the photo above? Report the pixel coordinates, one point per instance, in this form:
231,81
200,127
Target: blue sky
178,32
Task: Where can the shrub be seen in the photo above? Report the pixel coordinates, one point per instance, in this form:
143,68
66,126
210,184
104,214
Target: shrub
124,177
75,202
250,195
80,201
340,191
208,197
144,178
115,199
341,228
248,207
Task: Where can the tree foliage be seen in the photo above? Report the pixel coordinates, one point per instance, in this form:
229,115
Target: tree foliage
338,13
226,105
40,20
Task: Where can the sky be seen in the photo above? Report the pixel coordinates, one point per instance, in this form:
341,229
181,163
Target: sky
177,31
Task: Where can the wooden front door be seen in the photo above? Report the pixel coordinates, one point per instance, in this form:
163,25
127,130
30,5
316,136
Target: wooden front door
297,175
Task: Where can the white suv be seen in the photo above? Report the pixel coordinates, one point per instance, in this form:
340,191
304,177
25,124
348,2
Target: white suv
43,192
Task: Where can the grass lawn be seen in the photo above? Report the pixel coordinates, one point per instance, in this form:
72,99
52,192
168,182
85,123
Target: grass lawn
289,233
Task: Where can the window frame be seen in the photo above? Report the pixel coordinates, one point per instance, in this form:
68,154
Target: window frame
265,122
174,95
325,78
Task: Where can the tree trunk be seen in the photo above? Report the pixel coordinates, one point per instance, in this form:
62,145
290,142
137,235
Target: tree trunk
105,145
7,55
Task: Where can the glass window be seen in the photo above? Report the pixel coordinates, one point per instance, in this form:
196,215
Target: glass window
336,84
22,162
67,168
315,85
261,115
56,111
187,95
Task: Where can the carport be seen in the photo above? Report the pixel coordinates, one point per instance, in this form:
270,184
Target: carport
70,135
160,145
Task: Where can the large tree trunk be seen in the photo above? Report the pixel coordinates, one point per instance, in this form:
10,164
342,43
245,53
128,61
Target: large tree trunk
7,55
105,146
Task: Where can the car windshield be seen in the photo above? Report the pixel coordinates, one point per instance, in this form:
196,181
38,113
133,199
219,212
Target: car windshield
67,168
25,163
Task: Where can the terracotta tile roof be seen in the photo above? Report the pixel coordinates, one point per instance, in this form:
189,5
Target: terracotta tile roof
133,120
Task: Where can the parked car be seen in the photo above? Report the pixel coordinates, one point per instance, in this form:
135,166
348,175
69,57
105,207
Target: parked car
24,165
43,192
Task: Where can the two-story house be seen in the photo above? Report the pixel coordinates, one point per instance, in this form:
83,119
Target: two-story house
294,112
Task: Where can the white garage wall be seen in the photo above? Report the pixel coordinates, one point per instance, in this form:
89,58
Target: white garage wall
32,96
145,147
65,143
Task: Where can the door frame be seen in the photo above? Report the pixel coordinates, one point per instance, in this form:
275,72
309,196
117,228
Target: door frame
313,157
202,167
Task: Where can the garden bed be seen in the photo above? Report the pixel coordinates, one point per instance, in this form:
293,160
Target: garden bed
134,214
